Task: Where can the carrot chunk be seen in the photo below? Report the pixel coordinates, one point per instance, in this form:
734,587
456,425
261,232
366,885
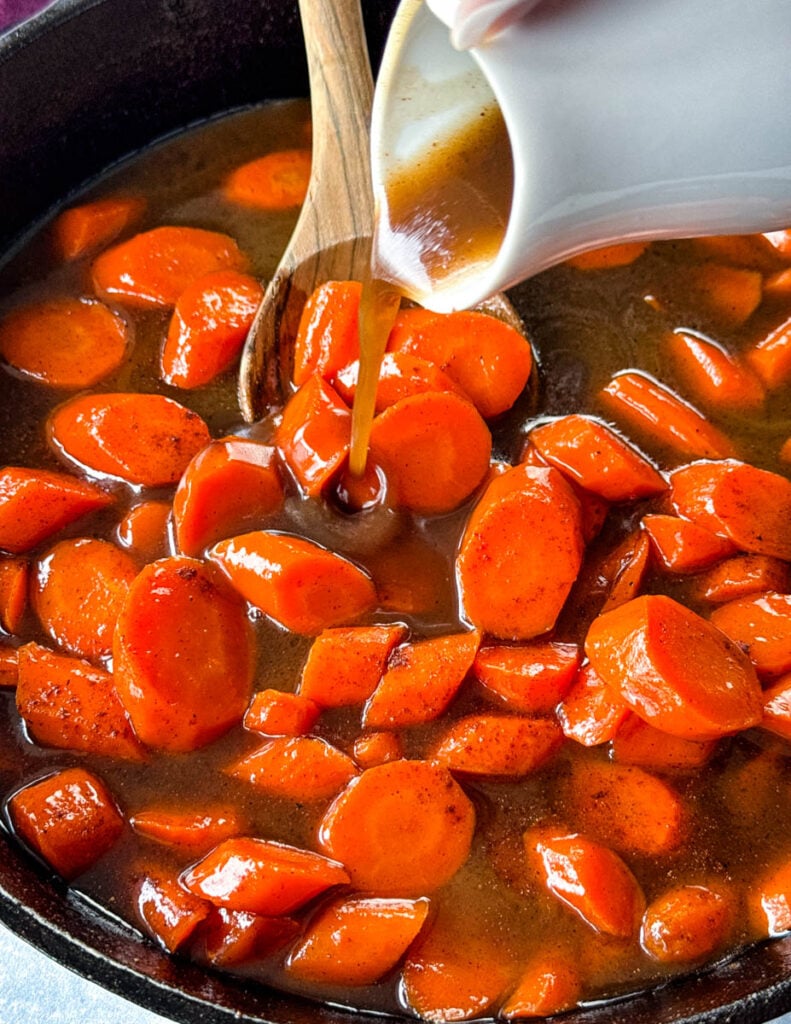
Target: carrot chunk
377,748
231,937
778,286
229,487
682,546
729,294
152,269
434,450
520,554
357,941
532,678
421,680
315,434
261,877
344,666
590,879
183,655
777,708
69,704
401,375
771,356
770,901
761,626
592,712
687,923
597,459
66,343
677,671
194,832
83,230
716,379
749,506
9,668
275,181
35,503
400,829
275,713
14,576
498,745
77,591
663,418
144,530
302,586
741,576
639,743
550,984
606,257
168,913
328,336
300,768
209,324
625,569
69,819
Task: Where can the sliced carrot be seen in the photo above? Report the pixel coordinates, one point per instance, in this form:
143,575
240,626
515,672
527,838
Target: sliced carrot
304,587
314,434
714,378
550,984
520,554
434,450
421,680
262,877
740,250
344,666
275,181
229,487
401,375
35,503
83,230
9,668
639,743
597,459
68,818
591,712
741,576
152,269
357,941
408,322
777,708
501,745
183,654
626,568
77,591
778,286
749,506
605,258
143,439
729,294
761,626
375,748
209,324
14,575
590,879
682,546
328,336
780,240
168,913
275,713
412,577
231,937
489,360
144,530
677,671
193,832
532,678
66,343
69,704
299,768
770,901
400,829
771,356
688,923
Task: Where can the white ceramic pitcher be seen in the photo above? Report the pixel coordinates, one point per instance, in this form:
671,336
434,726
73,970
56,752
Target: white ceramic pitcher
628,120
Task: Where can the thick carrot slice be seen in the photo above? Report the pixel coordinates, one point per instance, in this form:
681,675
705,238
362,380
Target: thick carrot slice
715,379
9,668
663,418
168,913
230,937
625,807
315,434
408,322
591,713
771,356
155,267
778,286
421,680
741,576
501,745
401,375
749,506
69,819
275,713
400,829
626,568
550,984
299,768
688,923
262,877
605,258
682,546
83,230
77,591
69,704
520,554
434,450
597,459
761,626
35,503
275,181
302,586
677,671
729,294
488,359
143,439
751,251
377,748
770,901
144,530
208,327
532,678
14,575
777,708
328,337
229,487
193,832
357,941
183,655
66,343
639,743
344,666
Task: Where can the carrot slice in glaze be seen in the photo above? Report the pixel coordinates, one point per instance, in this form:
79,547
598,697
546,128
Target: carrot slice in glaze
687,923
230,937
302,586
714,378
729,294
83,230
626,568
682,546
328,337
532,678
771,356
606,257
298,768
183,655
761,626
591,712
275,181
501,745
777,708
741,576
639,743
14,576
194,832
401,829
344,666
314,434
677,671
550,984
769,901
375,748
401,375
144,530
275,713
168,913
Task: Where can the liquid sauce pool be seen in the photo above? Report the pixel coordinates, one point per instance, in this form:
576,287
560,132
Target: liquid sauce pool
587,324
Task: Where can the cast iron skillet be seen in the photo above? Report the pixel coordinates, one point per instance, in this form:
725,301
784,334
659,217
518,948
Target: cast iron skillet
82,85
